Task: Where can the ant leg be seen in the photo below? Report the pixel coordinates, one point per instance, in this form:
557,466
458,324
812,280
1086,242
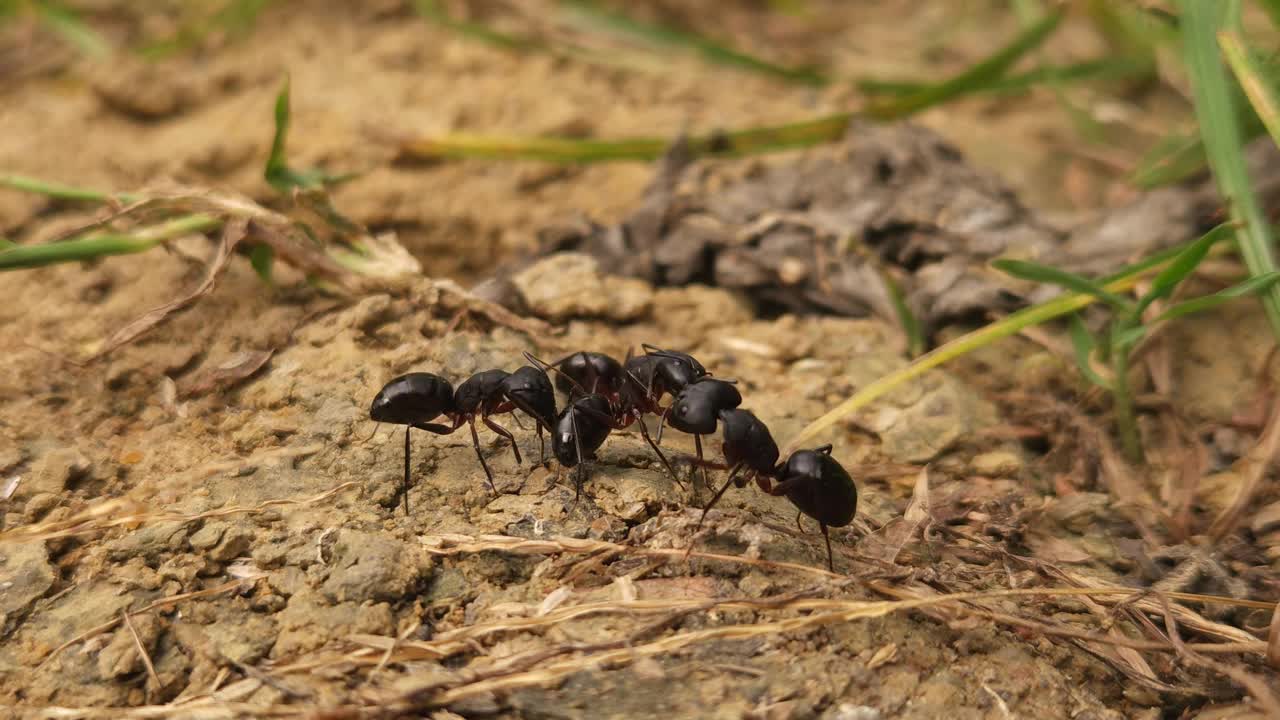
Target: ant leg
798,525
716,498
697,445
578,478
506,434
644,432
542,449
831,563
662,421
404,487
475,441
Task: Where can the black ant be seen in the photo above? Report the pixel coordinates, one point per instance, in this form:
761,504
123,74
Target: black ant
697,409
819,487
588,418
589,373
631,389
749,453
415,399
812,480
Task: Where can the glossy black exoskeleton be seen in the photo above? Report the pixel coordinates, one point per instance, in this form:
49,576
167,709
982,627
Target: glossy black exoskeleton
529,389
819,487
589,373
696,410
749,453
676,369
580,430
414,400
417,398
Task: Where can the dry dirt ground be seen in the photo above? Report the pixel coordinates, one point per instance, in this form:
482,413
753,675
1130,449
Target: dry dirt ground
335,599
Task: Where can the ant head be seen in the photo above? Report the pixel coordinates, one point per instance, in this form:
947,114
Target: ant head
573,386
698,406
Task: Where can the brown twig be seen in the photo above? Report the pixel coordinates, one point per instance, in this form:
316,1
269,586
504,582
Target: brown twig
161,603
142,650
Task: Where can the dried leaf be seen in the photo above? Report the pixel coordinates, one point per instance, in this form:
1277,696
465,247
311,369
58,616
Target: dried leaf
899,532
232,234
240,367
883,656
1260,460
1057,550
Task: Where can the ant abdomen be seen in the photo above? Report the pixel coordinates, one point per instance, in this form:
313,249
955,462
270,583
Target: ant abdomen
412,398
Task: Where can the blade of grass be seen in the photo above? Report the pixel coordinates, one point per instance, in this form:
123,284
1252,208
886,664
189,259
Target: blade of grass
102,244
805,133
431,11
1218,120
1254,79
1077,283
261,259
1083,343
975,79
967,343
236,18
1208,302
910,323
72,29
1029,12
1272,9
710,50
1087,70
277,172
62,192
1182,266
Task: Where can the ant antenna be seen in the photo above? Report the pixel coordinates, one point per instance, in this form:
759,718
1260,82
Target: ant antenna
546,366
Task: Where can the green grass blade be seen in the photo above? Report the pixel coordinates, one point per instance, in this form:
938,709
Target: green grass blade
827,128
1182,265
1272,9
710,50
1076,283
72,29
97,245
1083,343
432,11
1218,120
1013,324
1249,287
1084,71
976,79
277,172
60,191
911,326
1253,76
236,18
261,259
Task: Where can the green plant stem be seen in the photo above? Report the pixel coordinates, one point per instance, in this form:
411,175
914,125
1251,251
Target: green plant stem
969,342
102,244
1126,422
976,78
1219,127
827,128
